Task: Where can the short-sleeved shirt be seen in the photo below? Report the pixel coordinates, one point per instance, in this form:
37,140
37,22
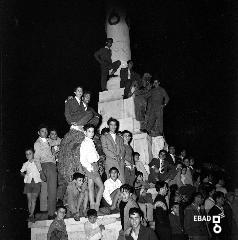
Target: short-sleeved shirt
31,172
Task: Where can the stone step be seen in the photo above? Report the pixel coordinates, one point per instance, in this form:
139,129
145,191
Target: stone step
75,229
111,95
119,109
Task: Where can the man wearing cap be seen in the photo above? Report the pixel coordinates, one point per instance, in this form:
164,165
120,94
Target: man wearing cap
104,57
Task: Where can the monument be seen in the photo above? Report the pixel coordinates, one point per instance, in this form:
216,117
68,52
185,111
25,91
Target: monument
111,102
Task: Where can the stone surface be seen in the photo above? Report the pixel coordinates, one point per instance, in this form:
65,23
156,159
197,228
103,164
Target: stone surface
119,32
113,109
111,95
129,108
158,143
75,229
113,83
141,143
119,109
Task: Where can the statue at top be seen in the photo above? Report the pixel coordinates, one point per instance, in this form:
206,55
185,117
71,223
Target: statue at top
104,57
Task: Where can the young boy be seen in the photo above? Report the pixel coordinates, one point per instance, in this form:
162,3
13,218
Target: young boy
57,229
54,142
44,155
175,224
76,194
125,205
89,158
31,172
94,227
145,200
112,186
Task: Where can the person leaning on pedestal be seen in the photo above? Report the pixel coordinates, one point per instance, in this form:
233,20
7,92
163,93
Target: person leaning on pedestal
104,57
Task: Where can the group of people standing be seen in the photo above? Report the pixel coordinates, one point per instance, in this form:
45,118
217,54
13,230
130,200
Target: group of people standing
149,97
87,173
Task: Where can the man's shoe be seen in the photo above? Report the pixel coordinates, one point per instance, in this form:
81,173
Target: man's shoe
112,75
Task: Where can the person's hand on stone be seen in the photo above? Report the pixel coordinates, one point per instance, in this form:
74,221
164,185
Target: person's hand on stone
102,227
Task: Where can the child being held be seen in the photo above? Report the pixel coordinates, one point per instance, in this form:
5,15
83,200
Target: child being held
94,227
57,229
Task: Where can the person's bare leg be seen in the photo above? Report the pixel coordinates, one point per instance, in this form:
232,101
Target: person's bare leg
85,203
33,203
99,183
80,200
29,202
115,195
91,193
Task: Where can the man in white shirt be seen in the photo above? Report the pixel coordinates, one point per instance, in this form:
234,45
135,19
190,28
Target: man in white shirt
112,186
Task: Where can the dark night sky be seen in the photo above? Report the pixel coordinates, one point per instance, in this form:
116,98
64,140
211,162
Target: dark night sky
48,49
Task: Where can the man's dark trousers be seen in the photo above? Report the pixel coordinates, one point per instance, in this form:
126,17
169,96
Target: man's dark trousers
105,67
49,170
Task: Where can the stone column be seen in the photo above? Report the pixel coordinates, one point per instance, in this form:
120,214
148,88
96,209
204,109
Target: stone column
111,102
118,29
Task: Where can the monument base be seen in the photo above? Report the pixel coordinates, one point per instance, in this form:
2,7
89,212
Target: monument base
75,229
111,95
141,143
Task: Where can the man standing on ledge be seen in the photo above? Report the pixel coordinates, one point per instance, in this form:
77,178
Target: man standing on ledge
104,57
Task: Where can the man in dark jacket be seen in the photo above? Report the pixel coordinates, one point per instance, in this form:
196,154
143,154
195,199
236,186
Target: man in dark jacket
195,229
161,212
128,76
137,229
104,57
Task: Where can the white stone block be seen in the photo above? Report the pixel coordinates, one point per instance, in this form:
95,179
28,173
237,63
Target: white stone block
113,109
158,143
130,124
141,143
113,83
129,108
75,229
111,95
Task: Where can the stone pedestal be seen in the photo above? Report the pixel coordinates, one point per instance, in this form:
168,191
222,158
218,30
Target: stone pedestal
111,95
158,143
124,111
75,229
141,143
113,83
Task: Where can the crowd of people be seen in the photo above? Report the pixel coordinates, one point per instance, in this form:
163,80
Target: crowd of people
88,173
